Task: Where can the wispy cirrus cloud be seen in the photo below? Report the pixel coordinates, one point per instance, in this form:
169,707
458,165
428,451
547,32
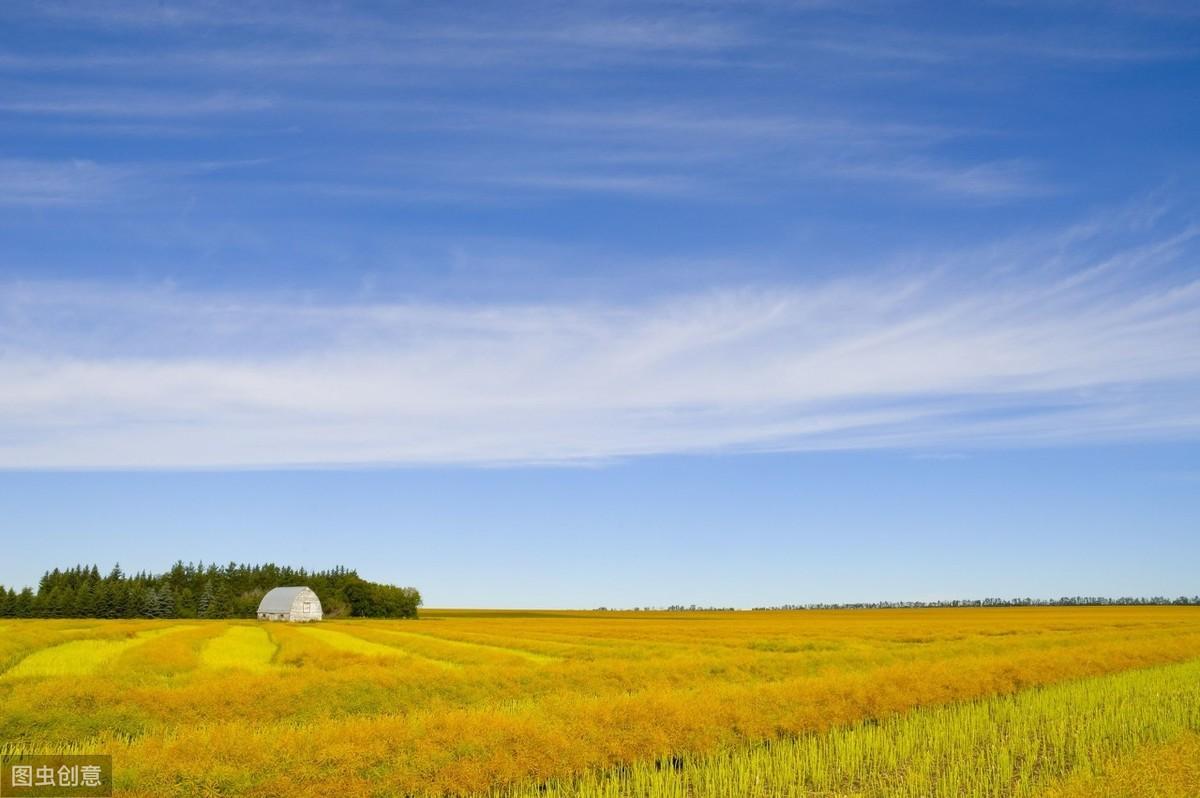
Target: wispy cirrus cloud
357,35
56,183
107,103
1096,350
794,97
670,152
111,187
1000,180
1070,46
678,152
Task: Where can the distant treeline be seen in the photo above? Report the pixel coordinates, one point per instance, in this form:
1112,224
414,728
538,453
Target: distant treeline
200,591
671,608
1065,601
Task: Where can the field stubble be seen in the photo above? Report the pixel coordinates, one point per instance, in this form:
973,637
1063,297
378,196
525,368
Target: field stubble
485,701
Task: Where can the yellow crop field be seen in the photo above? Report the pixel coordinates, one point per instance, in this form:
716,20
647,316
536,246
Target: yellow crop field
239,647
932,702
1016,745
1168,770
81,656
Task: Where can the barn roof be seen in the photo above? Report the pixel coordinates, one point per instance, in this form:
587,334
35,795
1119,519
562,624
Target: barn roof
280,599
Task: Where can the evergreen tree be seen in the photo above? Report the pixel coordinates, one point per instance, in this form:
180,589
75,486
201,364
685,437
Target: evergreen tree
57,602
85,601
124,600
49,581
103,599
205,600
209,591
221,605
23,606
185,604
166,603
147,602
137,599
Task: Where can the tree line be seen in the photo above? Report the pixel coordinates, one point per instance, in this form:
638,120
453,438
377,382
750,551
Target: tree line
199,591
671,608
1065,601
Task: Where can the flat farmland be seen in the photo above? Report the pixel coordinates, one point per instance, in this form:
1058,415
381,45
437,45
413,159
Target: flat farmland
988,701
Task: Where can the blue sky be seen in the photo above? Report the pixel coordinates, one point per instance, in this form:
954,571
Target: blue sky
606,303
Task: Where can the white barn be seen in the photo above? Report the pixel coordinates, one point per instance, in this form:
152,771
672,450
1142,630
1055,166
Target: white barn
290,604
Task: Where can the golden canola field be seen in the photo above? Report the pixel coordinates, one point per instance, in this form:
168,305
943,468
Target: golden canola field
1056,702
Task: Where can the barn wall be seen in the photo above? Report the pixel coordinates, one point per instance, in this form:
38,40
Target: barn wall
298,614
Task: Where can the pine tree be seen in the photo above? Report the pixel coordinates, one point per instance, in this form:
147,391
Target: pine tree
221,605
146,601
50,580
123,605
23,606
166,603
135,601
205,601
85,601
185,604
103,601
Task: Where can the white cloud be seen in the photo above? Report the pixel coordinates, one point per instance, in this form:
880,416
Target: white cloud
132,104
73,183
1103,349
993,181
40,183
